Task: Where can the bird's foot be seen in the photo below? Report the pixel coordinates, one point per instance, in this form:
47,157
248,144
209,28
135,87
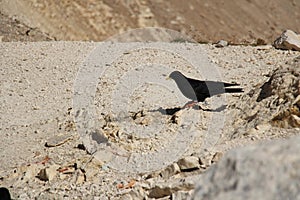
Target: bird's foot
190,104
195,105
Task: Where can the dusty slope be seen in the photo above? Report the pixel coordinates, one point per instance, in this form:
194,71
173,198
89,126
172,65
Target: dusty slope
235,21
36,107
12,30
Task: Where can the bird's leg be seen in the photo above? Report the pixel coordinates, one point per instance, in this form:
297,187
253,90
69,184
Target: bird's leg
195,105
190,104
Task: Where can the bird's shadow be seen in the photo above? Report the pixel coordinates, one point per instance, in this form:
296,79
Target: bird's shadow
172,111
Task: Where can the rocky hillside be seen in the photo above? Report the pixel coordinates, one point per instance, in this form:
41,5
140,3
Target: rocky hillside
243,21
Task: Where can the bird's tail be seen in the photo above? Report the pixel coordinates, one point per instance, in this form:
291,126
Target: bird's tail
233,90
230,84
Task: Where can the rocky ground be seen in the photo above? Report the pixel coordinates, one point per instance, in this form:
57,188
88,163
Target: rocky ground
43,156
85,120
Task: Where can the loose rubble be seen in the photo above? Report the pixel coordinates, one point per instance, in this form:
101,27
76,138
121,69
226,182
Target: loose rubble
277,102
268,109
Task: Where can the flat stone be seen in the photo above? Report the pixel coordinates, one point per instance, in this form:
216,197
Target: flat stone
170,171
57,140
189,163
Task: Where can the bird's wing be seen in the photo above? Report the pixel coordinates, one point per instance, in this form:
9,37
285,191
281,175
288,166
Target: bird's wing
200,89
197,84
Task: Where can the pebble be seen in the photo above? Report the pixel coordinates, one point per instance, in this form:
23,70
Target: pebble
189,163
221,43
170,171
205,162
49,173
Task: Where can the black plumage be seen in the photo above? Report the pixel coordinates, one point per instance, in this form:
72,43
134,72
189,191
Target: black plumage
4,194
198,90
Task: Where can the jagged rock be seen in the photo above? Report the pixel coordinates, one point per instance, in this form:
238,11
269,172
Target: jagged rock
42,175
274,103
170,171
49,173
265,171
205,161
189,163
163,189
288,40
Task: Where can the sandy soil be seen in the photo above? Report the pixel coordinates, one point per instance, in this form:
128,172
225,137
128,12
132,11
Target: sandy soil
38,87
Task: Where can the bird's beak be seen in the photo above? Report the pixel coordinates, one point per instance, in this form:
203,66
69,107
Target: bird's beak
168,78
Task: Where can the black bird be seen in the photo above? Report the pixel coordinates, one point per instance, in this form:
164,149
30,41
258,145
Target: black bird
198,90
4,194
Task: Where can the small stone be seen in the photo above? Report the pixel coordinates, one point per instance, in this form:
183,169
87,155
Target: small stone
288,40
80,177
57,140
205,162
216,157
48,174
170,171
221,43
42,175
189,163
160,192
164,189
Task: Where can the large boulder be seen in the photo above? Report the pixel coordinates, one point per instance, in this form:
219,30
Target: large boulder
265,171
